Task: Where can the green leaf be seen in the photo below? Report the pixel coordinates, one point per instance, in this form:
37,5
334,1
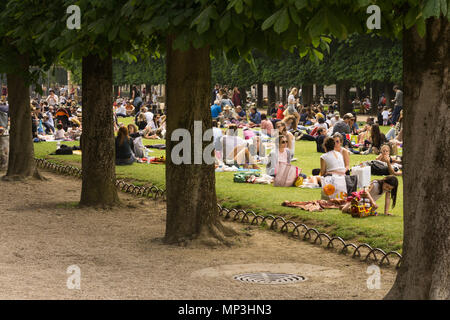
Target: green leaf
421,27
432,8
318,54
411,17
270,21
225,22
282,22
294,16
444,7
300,4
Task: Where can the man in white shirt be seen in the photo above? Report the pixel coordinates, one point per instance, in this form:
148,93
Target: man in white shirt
52,99
335,119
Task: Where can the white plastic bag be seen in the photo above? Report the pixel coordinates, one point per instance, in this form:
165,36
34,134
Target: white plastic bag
363,174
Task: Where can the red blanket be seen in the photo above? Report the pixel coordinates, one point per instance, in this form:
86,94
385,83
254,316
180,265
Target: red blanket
316,205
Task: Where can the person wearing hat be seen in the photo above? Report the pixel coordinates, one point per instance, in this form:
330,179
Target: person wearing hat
336,118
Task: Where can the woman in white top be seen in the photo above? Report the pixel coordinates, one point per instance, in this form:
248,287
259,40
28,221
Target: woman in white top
331,162
338,146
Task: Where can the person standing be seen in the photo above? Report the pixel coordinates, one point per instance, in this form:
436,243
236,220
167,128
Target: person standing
236,99
214,93
137,99
398,104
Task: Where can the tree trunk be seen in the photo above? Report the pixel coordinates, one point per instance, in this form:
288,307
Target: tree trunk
191,192
425,269
284,96
21,164
259,95
98,151
271,94
243,94
319,91
345,105
308,93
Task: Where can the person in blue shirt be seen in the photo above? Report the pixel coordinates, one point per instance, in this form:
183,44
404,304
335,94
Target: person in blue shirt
255,118
216,109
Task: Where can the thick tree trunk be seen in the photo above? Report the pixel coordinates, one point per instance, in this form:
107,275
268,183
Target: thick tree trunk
308,94
284,96
191,192
344,97
21,164
243,91
259,95
271,94
319,91
425,269
98,157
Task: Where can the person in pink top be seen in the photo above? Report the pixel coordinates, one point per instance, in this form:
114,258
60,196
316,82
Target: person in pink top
266,125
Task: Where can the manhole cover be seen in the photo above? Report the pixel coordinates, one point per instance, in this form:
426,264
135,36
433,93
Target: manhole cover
269,278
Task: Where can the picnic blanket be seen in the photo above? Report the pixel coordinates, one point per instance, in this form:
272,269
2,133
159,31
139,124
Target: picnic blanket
316,205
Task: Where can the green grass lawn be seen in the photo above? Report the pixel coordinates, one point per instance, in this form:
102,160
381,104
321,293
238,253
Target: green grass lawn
382,231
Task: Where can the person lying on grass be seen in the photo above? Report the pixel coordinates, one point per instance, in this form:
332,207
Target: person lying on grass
388,185
393,165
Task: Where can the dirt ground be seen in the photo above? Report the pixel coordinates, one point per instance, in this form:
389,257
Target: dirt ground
121,256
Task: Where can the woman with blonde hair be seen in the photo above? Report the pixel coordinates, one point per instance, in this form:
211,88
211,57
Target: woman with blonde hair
292,107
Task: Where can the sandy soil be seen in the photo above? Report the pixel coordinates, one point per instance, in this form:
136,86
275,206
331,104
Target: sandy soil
121,256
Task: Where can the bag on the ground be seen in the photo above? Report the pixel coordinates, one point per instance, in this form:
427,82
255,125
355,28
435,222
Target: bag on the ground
243,177
286,175
352,184
379,168
138,147
64,150
363,174
334,187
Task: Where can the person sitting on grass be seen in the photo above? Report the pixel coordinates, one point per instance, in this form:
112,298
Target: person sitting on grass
332,162
60,134
276,156
124,147
282,130
266,125
255,118
375,141
241,115
235,149
388,185
320,139
338,146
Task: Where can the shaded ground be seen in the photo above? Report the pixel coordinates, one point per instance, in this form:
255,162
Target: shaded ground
121,256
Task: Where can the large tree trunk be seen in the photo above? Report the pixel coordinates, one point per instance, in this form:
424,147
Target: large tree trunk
21,164
271,94
425,269
308,94
243,94
259,95
345,104
98,151
191,192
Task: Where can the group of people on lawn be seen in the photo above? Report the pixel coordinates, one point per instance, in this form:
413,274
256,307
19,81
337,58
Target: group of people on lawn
329,131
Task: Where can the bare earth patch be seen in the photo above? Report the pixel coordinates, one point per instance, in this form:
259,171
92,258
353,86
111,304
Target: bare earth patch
121,255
